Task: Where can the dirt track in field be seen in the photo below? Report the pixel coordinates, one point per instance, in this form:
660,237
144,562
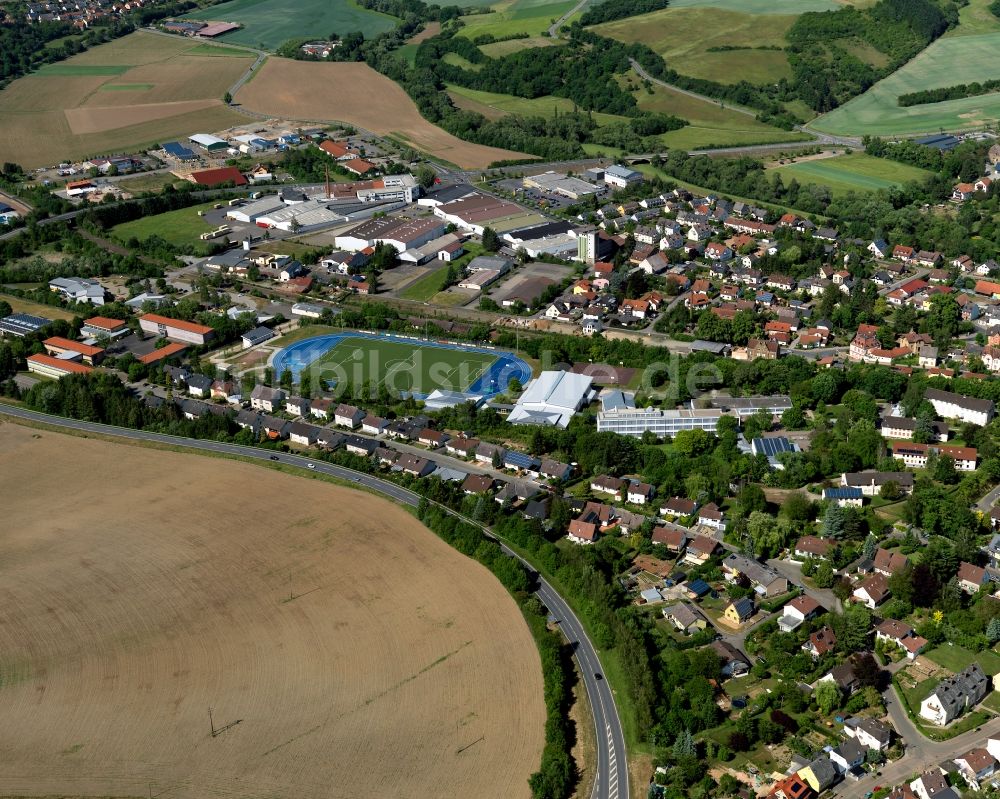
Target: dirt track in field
138,588
356,94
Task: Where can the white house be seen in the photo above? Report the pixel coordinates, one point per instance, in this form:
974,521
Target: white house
957,406
954,695
348,416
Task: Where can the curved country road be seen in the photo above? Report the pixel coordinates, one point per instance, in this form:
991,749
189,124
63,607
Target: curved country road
612,771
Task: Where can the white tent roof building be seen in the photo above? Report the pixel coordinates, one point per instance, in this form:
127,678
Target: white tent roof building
552,398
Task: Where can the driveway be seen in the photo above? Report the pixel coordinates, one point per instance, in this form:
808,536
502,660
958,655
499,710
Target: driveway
792,571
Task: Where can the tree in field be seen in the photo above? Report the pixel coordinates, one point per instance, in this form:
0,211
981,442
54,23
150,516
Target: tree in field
425,176
827,696
824,574
491,241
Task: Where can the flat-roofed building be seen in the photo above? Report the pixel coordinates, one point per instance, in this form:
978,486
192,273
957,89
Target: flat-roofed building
747,406
176,329
561,184
21,324
636,421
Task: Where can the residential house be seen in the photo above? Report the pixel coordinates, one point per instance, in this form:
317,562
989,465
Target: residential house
348,416
414,465
901,635
711,516
809,546
673,538
678,507
797,611
971,578
820,774
373,425
639,493
975,766
931,785
606,484
699,549
734,663
686,617
297,406
870,733
582,532
739,611
872,591
792,787
303,433
431,438
487,453
890,561
954,695
820,642
765,581
320,408
871,483
478,484
848,755
263,398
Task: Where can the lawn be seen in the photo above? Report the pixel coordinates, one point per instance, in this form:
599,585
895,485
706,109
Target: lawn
423,288
269,23
148,182
853,172
684,37
956,658
399,365
180,227
952,59
516,16
35,308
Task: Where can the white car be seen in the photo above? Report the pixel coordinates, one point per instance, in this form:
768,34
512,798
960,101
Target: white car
311,466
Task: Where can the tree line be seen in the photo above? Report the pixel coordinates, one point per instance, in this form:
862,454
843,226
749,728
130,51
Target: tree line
620,9
956,92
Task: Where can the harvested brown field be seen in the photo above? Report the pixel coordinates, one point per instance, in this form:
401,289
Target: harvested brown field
72,109
357,94
430,29
344,649
91,119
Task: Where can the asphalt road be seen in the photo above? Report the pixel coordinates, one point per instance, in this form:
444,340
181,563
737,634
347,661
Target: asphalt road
612,770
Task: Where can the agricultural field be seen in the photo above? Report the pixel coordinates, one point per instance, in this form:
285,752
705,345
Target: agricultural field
684,37
358,95
767,6
711,125
118,97
269,23
180,228
494,106
856,172
399,365
963,55
124,622
500,49
516,16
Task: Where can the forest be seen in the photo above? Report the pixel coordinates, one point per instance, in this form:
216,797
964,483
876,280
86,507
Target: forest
620,9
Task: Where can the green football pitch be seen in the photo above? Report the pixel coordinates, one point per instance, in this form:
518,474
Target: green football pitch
400,366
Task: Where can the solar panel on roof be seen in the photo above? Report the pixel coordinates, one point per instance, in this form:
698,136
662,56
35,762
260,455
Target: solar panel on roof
772,446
